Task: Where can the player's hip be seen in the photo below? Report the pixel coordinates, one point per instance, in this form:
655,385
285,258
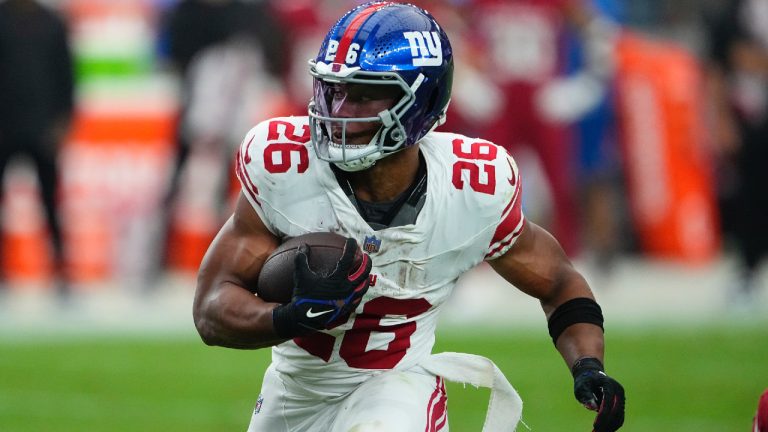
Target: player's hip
397,400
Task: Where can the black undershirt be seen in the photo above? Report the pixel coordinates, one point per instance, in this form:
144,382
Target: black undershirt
403,210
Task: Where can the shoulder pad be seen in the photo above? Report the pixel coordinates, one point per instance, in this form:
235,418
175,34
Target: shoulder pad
274,148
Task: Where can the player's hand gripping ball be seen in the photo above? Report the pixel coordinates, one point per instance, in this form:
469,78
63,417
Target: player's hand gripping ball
329,276
599,392
275,283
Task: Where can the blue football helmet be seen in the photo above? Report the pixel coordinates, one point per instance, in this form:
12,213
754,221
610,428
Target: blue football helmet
381,44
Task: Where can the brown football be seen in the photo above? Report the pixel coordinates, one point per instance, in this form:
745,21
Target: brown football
275,283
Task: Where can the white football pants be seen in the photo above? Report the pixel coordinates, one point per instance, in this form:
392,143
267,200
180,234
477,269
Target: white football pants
394,401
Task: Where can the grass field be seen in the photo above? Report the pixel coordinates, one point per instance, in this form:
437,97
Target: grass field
696,379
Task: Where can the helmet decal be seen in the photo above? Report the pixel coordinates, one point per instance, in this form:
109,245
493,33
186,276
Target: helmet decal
380,44
344,50
425,48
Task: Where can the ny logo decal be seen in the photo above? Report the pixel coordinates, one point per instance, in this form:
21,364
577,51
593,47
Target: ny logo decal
425,48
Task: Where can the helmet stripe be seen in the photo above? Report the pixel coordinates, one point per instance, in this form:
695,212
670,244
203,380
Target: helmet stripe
354,27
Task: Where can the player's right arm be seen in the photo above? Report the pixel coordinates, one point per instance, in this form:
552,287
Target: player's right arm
225,312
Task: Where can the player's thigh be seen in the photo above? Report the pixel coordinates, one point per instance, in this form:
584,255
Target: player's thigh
281,407
395,401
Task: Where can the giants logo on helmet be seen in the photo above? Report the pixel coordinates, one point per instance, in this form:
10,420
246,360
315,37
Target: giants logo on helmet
425,48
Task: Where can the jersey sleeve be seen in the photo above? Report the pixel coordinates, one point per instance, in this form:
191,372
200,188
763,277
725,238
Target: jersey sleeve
272,165
249,177
511,218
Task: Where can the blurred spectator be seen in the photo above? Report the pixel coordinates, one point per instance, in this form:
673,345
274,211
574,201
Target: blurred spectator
739,77
598,174
225,53
512,88
36,101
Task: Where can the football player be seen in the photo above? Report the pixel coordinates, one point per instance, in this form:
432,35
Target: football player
760,422
426,206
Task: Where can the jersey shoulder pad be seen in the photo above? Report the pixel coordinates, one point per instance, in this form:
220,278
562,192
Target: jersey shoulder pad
488,178
272,157
482,170
511,219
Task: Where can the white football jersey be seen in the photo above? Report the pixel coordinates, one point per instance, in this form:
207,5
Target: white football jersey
472,212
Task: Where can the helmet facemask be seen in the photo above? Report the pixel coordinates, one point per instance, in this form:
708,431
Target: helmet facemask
330,134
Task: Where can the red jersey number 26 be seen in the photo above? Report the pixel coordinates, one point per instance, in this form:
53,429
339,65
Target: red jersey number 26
278,156
471,162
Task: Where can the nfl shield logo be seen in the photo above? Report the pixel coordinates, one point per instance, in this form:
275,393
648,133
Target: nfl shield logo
371,244
259,402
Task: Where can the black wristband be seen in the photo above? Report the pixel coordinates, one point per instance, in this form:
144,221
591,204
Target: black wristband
574,311
586,363
285,324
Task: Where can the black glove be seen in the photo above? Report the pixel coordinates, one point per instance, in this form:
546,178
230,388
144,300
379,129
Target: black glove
599,392
319,300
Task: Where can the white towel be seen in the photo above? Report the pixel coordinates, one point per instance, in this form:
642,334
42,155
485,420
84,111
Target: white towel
505,407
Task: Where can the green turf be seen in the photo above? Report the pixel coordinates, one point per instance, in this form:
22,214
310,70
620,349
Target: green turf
699,379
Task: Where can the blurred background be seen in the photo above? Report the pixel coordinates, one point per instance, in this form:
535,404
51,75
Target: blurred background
640,128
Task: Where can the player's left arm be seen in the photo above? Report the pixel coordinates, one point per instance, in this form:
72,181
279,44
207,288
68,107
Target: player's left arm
538,266
531,259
